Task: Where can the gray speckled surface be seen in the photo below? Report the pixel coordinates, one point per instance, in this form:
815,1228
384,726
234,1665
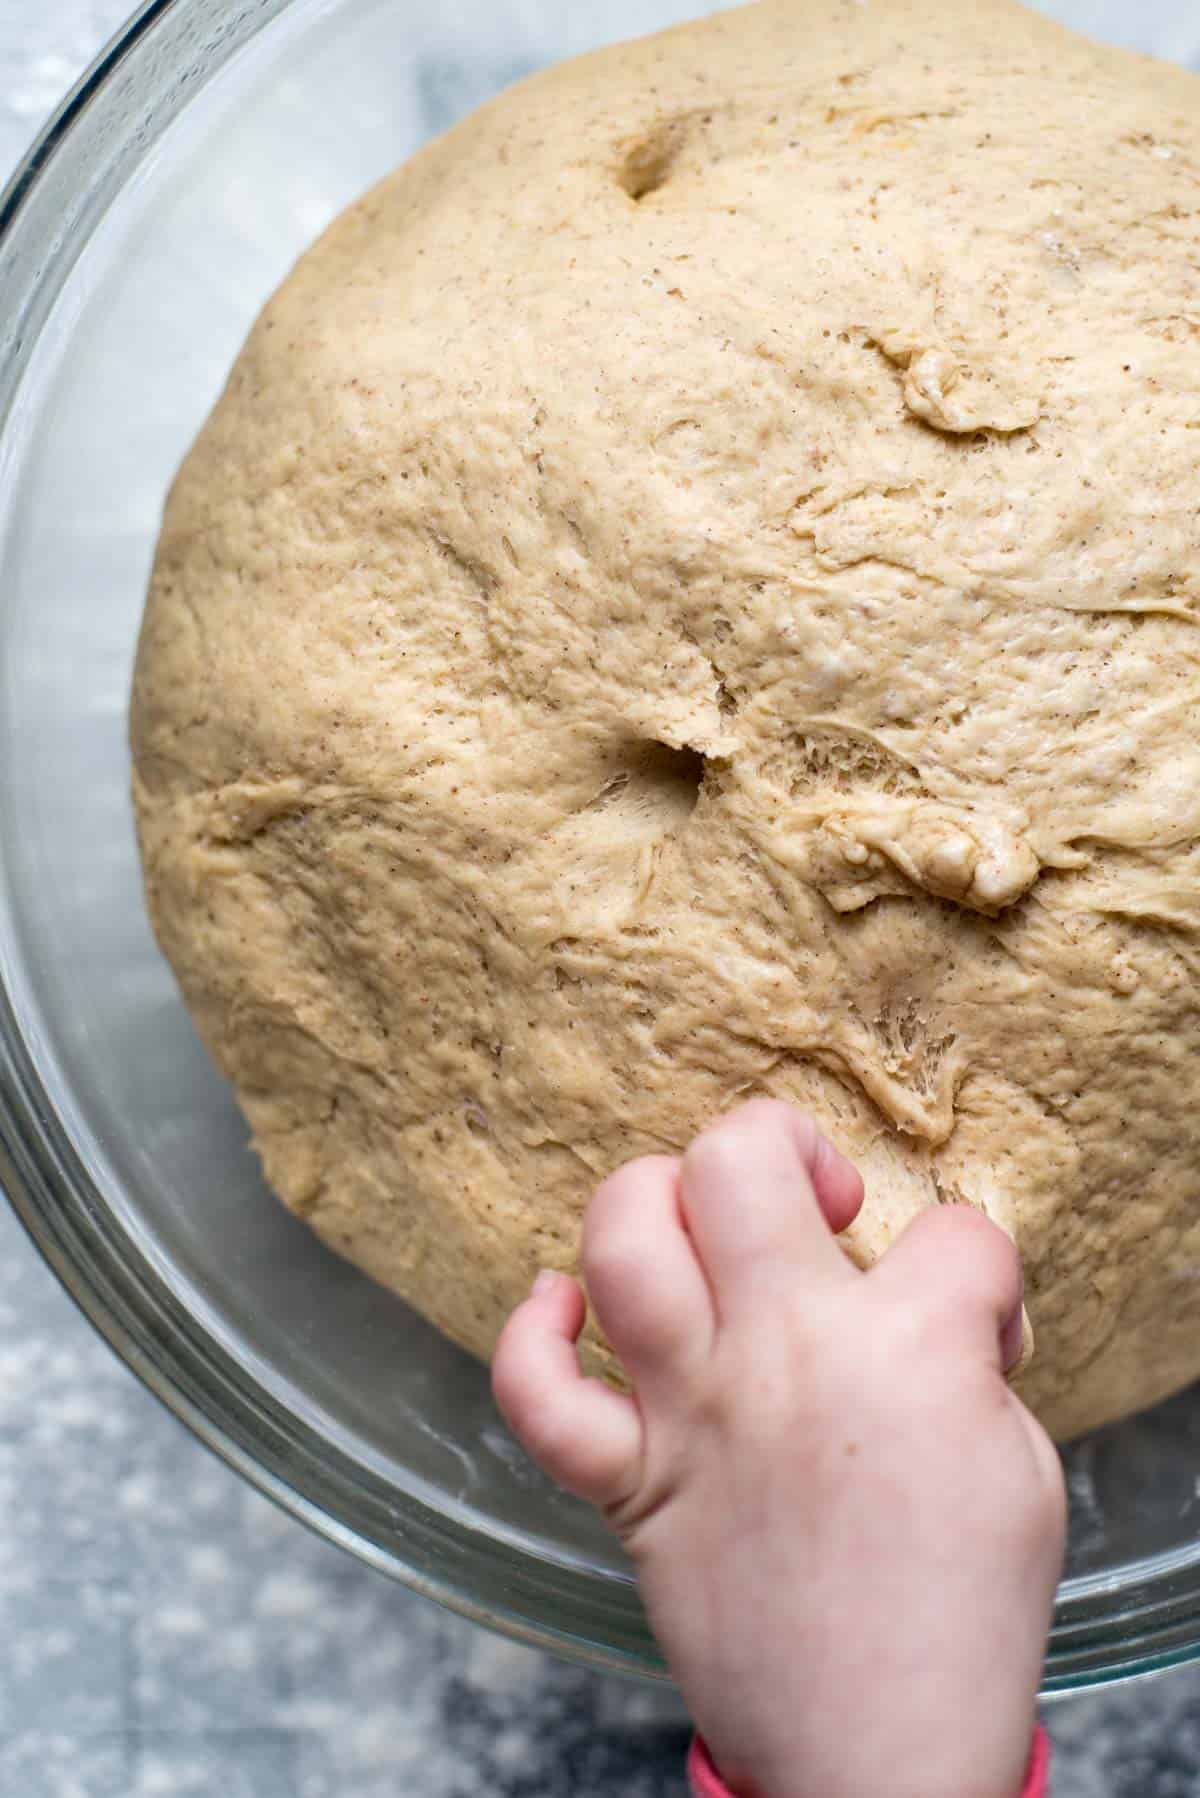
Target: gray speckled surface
165,1633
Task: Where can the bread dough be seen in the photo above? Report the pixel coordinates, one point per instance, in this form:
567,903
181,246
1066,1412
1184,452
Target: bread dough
691,591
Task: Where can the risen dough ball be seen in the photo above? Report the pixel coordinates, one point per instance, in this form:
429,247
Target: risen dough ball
692,591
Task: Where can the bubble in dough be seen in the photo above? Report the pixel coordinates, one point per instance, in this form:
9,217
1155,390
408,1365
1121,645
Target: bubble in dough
691,591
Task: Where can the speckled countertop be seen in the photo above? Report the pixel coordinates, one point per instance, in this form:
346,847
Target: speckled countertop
165,1633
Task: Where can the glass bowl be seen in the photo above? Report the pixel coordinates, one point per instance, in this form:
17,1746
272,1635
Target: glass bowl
201,154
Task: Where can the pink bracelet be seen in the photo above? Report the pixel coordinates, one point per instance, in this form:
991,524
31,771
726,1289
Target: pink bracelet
706,1782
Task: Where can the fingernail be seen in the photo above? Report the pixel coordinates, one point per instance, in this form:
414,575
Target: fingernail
546,1281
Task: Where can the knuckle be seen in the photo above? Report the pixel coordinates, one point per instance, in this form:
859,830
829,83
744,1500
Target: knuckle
613,1259
955,1223
759,1114
721,1148
545,1429
634,1310
622,1279
536,1406
967,1247
657,1332
775,1116
512,1377
612,1204
715,1155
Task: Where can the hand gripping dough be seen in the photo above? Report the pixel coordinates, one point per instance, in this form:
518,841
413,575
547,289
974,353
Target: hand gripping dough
692,591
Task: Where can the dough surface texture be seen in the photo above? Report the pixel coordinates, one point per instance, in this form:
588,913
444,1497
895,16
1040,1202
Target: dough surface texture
691,591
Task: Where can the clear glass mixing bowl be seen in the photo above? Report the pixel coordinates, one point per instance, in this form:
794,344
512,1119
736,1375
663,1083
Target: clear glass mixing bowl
138,241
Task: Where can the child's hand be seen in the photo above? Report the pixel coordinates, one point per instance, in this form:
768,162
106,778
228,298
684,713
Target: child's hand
847,1530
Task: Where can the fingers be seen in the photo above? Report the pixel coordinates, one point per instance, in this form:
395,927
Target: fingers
964,1272
752,1188
645,1283
584,1435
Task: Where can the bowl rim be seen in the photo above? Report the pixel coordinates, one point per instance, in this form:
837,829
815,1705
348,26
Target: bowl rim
541,1602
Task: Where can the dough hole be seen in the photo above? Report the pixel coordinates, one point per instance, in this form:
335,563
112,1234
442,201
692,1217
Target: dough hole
653,785
647,167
